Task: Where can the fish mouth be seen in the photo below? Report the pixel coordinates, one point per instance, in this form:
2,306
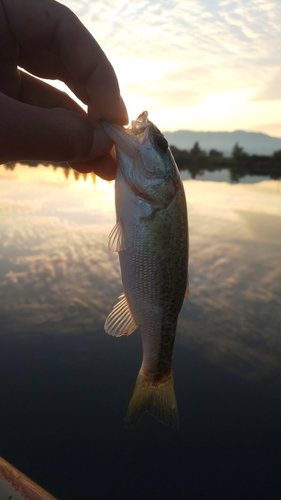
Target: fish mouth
122,138
139,126
129,139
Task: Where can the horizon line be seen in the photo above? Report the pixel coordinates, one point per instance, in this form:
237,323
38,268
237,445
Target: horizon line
220,132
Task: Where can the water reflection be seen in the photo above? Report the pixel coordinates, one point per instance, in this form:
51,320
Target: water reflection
67,171
56,271
57,276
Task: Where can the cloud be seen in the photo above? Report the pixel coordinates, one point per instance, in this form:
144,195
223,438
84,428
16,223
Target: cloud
226,40
182,98
271,91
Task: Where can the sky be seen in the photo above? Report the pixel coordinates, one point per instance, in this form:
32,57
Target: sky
197,64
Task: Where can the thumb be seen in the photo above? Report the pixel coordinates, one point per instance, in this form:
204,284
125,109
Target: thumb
29,132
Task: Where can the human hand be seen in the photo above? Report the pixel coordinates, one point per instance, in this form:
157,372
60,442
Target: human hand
39,122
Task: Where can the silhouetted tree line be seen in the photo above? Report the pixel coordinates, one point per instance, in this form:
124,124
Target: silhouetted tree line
197,161
34,163
64,166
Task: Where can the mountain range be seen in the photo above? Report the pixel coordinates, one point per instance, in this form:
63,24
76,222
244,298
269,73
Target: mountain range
251,142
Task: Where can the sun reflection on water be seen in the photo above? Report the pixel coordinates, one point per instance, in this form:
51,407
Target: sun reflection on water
57,275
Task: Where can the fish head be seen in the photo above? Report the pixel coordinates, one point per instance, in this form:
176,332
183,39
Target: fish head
145,159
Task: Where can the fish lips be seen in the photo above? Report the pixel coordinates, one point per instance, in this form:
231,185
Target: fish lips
126,142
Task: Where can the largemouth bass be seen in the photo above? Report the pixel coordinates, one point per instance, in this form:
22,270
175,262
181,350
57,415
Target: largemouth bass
151,238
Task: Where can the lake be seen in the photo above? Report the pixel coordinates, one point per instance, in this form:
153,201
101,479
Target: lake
65,384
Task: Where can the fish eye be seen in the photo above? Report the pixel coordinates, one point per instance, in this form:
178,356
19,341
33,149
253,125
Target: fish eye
161,142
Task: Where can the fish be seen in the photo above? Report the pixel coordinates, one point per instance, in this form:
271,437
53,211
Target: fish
151,238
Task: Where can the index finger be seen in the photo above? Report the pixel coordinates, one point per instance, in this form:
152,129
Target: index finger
56,45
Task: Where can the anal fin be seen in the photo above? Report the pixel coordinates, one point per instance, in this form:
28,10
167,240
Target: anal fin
120,321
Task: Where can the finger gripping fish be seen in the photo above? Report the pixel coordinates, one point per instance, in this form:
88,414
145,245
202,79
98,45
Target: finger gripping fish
151,238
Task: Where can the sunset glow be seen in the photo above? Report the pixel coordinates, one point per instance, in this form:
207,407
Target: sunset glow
198,65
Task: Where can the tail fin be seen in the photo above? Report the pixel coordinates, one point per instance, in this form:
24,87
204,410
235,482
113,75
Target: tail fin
158,399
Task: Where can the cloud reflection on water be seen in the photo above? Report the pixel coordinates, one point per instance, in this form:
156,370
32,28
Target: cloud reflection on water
233,312
56,272
57,275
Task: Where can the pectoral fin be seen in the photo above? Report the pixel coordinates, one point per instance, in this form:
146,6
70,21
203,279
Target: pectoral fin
116,238
120,321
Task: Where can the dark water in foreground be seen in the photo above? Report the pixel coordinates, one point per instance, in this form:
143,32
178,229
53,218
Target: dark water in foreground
65,384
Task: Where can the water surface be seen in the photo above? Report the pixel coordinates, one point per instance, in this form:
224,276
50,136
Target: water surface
66,384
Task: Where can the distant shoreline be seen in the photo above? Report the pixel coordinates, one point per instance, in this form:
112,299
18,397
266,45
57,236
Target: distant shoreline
239,167
197,162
